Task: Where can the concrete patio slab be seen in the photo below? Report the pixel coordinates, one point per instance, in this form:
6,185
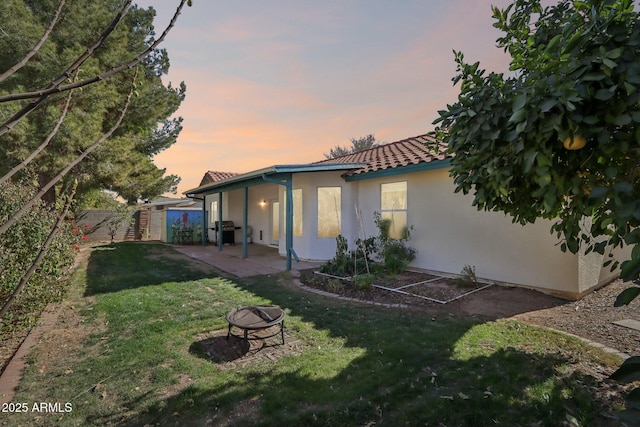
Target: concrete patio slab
260,259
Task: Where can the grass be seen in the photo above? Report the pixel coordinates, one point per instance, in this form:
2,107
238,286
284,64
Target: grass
127,353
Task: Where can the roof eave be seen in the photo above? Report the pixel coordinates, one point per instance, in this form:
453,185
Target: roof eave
273,170
418,167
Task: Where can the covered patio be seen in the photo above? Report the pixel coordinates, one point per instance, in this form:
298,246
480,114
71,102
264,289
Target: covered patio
253,201
261,259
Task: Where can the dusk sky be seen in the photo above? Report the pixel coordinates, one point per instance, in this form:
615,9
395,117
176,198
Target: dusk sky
284,81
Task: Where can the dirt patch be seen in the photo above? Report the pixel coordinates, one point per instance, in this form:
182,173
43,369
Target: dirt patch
11,341
234,352
492,301
591,317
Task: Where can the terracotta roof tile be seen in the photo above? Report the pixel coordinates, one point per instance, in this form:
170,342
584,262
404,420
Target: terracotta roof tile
215,176
410,151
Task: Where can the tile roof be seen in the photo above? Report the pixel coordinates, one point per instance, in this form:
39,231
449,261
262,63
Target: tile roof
215,176
410,151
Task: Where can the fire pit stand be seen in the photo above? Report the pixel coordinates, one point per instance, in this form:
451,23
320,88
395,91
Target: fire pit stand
256,318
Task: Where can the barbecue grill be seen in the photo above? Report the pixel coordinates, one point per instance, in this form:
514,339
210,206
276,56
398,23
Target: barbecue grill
228,232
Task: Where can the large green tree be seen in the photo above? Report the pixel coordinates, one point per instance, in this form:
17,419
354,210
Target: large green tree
559,136
122,164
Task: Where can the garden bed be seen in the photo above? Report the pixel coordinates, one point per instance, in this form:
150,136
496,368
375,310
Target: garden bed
409,284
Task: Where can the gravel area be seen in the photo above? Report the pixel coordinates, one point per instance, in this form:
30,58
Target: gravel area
592,317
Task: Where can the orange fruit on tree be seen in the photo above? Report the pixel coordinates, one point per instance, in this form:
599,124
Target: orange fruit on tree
574,142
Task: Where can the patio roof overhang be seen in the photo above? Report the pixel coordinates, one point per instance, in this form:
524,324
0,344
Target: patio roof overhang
279,175
262,176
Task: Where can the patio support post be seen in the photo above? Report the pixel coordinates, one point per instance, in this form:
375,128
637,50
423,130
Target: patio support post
203,237
219,231
245,221
289,220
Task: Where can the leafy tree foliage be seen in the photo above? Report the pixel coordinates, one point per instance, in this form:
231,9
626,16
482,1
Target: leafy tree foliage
362,143
516,139
123,164
581,78
19,248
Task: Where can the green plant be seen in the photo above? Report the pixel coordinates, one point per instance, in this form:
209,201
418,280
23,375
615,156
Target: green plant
340,264
467,277
19,247
364,281
347,263
334,285
397,256
122,214
394,253
576,81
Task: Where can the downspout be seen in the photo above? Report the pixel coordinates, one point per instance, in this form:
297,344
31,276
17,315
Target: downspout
288,215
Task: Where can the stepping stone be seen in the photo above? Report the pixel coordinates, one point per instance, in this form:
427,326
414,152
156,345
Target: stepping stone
629,323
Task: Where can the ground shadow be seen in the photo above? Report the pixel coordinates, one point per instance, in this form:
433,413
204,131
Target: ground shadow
219,349
115,267
234,352
403,367
401,351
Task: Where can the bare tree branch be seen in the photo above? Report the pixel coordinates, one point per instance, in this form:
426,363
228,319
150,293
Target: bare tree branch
44,144
38,45
6,126
52,89
43,251
4,227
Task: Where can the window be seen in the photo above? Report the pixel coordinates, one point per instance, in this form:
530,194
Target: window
297,212
393,206
214,211
329,210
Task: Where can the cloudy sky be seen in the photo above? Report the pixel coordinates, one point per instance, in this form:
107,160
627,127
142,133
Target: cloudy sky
284,81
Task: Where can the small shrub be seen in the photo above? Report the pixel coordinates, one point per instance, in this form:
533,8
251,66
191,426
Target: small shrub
394,253
334,285
467,277
347,263
397,256
122,214
364,281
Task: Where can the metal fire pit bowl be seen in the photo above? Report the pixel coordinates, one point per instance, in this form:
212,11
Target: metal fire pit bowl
255,318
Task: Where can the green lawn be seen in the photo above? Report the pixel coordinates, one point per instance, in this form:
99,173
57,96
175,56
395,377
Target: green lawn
127,353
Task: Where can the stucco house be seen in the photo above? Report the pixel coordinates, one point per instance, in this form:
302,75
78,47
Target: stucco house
301,208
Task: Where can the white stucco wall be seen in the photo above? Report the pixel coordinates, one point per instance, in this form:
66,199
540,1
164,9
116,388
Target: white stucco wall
449,233
310,246
258,215
210,223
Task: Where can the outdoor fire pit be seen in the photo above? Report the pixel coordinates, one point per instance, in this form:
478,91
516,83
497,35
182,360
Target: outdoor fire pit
256,318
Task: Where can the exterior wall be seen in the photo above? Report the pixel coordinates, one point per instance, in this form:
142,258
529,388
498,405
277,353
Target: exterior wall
97,219
210,221
155,225
258,215
260,198
449,233
310,246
